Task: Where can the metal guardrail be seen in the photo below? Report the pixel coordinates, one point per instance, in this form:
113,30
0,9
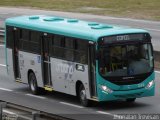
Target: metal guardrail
2,31
33,113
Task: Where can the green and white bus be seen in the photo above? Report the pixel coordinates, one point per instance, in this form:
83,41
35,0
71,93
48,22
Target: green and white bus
93,61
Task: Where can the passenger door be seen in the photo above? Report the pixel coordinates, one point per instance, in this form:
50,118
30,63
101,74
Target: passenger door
92,79
16,53
46,65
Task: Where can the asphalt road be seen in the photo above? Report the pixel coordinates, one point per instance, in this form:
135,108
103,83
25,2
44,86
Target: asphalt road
151,26
68,106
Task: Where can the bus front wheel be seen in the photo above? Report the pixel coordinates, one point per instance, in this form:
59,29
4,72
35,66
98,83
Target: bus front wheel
33,83
82,96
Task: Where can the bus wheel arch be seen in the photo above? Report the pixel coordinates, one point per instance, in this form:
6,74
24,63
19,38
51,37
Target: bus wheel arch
81,93
29,72
32,81
78,84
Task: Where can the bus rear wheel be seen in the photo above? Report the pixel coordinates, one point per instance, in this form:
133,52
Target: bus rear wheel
33,83
130,100
82,96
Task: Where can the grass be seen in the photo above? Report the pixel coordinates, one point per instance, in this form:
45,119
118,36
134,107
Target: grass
141,9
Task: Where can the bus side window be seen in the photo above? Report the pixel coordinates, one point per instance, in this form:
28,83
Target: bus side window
25,35
35,37
51,46
81,52
35,41
9,36
69,49
57,40
24,40
58,46
29,41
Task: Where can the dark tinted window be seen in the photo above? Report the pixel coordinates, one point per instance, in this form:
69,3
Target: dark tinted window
69,54
58,52
58,40
30,47
81,45
81,57
57,49
9,36
30,41
35,36
70,49
69,42
25,35
81,53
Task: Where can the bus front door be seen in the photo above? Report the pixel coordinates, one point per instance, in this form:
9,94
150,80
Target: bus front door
16,53
46,65
92,79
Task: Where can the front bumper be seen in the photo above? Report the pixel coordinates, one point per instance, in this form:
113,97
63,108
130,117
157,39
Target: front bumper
118,95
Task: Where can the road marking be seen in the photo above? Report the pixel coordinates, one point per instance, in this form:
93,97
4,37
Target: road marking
2,65
115,116
157,72
5,89
106,113
65,103
35,96
1,45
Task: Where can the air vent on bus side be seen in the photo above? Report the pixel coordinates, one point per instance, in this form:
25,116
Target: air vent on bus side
93,24
34,17
50,19
72,20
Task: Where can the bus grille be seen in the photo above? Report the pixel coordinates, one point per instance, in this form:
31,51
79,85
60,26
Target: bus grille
129,95
127,82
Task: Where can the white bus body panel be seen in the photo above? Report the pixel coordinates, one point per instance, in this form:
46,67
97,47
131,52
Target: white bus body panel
29,61
65,75
10,64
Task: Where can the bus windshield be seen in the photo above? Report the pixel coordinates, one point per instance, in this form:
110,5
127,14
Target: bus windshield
125,60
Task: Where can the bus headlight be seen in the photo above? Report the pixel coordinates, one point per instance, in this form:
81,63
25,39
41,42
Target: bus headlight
106,89
150,84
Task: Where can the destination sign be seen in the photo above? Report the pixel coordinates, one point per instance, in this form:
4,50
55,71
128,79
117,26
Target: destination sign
125,37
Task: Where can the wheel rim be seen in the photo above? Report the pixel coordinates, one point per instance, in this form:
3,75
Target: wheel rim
83,95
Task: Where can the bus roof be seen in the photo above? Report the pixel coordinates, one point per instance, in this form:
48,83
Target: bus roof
69,27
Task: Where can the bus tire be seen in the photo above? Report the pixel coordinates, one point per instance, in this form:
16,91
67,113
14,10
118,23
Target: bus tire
130,100
82,96
33,84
